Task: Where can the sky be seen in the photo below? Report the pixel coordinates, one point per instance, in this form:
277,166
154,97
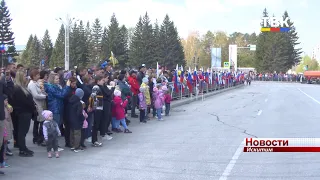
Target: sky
35,16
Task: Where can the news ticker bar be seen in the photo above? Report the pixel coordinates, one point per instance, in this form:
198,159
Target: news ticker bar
282,142
281,145
281,149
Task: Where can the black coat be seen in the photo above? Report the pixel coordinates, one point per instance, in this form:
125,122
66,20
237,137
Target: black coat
76,117
107,93
87,89
7,89
21,102
65,103
140,76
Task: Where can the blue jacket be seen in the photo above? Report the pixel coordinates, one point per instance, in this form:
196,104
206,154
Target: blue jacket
55,97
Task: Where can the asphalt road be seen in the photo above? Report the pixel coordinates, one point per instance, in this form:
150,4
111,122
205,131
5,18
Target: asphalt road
199,141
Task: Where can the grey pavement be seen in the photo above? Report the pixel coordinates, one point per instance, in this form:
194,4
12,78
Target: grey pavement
197,141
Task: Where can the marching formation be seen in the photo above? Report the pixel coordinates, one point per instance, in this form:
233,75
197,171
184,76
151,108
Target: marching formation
81,105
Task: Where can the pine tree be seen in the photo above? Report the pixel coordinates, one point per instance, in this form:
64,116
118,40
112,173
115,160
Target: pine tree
96,41
172,50
147,39
276,51
292,38
89,43
105,51
156,44
83,47
35,52
263,51
113,38
130,35
123,47
57,58
26,55
48,47
6,34
75,49
136,45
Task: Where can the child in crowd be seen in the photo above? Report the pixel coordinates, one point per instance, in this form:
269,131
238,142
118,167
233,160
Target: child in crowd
84,127
146,95
8,124
76,119
51,132
118,110
158,102
142,104
167,101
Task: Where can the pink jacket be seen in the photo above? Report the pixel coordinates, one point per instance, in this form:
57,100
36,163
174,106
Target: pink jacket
118,109
142,101
158,99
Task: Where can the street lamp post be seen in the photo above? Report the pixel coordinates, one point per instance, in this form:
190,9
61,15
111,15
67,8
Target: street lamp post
67,24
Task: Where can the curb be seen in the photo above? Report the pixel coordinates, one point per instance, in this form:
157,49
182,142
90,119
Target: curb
190,100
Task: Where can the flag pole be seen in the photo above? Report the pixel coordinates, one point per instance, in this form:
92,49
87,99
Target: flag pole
196,89
180,90
202,92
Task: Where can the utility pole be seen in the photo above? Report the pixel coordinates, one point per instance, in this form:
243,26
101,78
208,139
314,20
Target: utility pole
67,24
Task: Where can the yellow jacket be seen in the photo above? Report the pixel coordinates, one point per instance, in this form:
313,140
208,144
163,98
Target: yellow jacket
146,93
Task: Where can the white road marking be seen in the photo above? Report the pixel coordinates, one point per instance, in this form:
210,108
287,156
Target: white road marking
265,100
259,113
309,96
232,162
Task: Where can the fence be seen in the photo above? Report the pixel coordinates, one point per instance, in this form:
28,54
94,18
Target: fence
278,78
206,88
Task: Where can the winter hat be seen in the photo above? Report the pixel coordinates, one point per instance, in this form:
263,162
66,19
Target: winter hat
46,114
164,88
145,80
79,92
142,89
117,93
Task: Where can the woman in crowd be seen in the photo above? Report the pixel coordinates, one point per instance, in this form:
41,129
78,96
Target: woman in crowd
56,95
66,130
24,106
39,97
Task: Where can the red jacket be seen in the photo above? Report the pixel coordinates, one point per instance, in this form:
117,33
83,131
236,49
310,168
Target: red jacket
118,109
167,98
134,85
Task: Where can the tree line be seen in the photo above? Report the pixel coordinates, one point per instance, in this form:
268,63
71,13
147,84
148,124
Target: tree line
91,43
149,43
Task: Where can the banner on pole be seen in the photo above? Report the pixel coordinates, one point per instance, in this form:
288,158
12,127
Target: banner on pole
233,59
216,57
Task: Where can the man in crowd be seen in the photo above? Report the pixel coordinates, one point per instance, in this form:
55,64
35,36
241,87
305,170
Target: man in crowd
141,73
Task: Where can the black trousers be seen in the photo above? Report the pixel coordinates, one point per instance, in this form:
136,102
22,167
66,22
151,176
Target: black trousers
38,132
134,102
83,136
66,131
107,116
167,109
15,123
2,153
24,120
98,118
52,143
142,115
